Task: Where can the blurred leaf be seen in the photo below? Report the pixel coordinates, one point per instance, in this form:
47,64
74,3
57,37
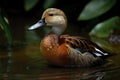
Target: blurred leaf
104,29
29,4
6,28
106,45
49,3
96,8
102,43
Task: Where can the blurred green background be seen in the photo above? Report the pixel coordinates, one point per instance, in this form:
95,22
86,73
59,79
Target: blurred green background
20,58
87,14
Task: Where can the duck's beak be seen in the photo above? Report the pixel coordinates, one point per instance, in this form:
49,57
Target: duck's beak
40,23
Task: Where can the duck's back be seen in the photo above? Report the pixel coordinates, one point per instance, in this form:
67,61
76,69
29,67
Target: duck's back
72,51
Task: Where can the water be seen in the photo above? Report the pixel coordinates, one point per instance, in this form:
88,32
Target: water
24,61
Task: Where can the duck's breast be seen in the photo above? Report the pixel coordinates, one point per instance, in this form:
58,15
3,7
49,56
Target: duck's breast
54,52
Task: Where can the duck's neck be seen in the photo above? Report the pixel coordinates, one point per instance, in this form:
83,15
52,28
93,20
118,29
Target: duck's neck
59,29
53,36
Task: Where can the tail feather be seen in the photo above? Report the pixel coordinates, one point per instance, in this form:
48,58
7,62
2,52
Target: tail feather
102,54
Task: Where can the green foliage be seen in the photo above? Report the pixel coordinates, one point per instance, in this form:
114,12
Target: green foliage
6,29
102,43
105,44
49,3
96,8
92,10
29,4
105,28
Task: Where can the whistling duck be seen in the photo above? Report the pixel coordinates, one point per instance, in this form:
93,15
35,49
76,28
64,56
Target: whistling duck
64,50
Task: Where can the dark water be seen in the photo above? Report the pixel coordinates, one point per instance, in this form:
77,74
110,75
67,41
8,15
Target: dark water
24,61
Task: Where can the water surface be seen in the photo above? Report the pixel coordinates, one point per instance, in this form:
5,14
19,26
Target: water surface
24,61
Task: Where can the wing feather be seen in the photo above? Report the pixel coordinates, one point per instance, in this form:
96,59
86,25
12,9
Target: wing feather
82,59
83,45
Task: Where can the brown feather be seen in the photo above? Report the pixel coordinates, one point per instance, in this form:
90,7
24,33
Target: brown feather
79,42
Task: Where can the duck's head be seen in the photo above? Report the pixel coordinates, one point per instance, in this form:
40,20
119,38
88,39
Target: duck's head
52,17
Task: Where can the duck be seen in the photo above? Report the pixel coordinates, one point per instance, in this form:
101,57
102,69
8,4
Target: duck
65,50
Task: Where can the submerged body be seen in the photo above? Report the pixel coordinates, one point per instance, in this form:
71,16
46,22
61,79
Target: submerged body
60,52
64,50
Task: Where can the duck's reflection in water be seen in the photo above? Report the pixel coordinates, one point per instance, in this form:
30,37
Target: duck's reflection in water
51,73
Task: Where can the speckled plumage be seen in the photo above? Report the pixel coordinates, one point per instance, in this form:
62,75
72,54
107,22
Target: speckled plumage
64,50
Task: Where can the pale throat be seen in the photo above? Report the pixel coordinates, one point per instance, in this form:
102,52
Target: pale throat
59,29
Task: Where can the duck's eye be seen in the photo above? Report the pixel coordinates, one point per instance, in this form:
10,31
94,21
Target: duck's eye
51,14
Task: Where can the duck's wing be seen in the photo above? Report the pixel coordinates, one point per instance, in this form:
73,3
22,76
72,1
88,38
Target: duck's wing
84,45
83,51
